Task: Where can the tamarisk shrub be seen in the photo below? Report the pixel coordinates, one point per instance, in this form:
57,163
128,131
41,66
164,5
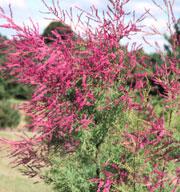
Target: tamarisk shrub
94,130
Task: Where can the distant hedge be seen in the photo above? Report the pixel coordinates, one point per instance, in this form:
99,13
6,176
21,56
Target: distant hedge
9,117
9,87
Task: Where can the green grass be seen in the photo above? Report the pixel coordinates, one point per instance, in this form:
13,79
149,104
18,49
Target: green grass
11,180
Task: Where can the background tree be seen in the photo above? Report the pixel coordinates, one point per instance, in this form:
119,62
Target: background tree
59,27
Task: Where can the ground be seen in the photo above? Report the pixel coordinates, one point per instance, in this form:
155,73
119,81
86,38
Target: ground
11,180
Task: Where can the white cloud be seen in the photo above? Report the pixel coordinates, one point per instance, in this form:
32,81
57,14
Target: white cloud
95,2
177,9
14,3
140,7
160,24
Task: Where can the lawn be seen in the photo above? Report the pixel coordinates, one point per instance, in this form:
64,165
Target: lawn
11,180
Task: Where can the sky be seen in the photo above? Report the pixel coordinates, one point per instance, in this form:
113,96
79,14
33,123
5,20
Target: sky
25,9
